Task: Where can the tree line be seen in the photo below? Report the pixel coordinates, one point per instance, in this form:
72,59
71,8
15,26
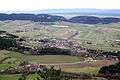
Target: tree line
54,51
112,69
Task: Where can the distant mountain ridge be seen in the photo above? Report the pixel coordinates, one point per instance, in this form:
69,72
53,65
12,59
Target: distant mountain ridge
93,20
54,18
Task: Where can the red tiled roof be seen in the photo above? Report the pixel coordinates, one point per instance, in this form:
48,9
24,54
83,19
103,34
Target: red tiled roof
36,65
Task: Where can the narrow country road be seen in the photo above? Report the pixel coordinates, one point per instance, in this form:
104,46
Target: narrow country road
67,63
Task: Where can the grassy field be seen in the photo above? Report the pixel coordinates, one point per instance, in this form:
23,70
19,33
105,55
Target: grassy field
44,58
33,77
86,67
32,43
101,47
90,70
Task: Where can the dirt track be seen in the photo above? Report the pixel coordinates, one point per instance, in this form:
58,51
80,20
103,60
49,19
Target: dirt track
83,64
66,63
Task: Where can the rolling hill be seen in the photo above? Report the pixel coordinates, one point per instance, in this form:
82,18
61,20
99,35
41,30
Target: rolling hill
55,18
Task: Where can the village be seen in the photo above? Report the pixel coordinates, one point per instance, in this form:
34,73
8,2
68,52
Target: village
75,48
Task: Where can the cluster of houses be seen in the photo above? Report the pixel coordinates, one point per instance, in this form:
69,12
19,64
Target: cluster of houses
58,43
76,50
104,57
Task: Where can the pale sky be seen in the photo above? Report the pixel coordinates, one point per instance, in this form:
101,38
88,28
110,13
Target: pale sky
11,5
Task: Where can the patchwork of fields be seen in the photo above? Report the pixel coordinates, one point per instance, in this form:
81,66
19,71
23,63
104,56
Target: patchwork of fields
99,35
60,60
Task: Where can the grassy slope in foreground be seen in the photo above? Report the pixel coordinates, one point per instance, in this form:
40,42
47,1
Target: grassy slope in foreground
10,76
43,58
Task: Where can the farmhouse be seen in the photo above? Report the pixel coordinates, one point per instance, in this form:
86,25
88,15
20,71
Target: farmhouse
35,67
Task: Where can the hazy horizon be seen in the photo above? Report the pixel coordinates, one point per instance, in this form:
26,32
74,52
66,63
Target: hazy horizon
28,5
